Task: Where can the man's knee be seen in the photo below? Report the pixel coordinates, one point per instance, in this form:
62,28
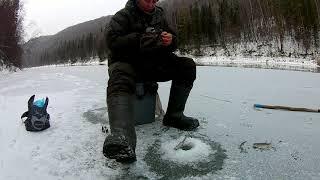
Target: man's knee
121,79
188,68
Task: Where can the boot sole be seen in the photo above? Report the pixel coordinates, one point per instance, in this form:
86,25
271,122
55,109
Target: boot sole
119,152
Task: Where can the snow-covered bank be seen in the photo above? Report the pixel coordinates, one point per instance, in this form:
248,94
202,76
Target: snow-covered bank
309,64
6,66
280,63
283,63
91,62
257,55
4,70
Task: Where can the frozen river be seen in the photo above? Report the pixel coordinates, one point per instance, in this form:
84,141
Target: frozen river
225,97
222,148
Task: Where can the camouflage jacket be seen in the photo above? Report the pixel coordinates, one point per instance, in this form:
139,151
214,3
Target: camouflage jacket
133,34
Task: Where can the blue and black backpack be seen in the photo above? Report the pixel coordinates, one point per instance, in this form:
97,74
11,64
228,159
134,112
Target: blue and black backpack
37,115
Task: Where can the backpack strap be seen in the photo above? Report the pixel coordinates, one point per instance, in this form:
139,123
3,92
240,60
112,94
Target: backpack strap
25,114
46,105
30,102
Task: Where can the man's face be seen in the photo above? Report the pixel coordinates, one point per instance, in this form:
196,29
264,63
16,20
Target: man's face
147,5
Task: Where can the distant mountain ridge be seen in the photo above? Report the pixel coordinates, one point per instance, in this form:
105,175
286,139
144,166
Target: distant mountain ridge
34,48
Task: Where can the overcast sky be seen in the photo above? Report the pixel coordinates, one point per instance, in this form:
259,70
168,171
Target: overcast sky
47,17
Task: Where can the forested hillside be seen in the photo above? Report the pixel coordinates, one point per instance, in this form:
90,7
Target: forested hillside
10,33
282,27
75,44
273,28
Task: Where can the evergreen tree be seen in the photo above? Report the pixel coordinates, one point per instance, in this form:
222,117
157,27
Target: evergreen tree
11,31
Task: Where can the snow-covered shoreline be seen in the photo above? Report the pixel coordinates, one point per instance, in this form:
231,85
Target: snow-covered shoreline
254,55
279,63
283,63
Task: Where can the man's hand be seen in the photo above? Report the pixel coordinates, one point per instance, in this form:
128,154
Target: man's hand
166,38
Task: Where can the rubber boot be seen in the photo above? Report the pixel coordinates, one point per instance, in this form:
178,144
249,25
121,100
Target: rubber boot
174,116
121,143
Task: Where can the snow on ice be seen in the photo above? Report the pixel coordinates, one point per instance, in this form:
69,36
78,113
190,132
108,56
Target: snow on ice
222,99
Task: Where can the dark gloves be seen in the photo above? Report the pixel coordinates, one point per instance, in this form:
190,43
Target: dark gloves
150,41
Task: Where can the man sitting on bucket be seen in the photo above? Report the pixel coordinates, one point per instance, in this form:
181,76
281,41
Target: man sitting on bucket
141,46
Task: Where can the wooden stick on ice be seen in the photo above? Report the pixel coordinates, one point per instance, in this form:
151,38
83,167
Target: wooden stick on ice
286,108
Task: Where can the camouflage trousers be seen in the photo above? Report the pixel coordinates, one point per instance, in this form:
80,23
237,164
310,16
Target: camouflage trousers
123,76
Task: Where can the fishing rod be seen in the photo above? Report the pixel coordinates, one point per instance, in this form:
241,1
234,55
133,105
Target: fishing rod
286,108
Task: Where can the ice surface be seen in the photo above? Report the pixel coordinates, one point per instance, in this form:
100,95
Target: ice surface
222,98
